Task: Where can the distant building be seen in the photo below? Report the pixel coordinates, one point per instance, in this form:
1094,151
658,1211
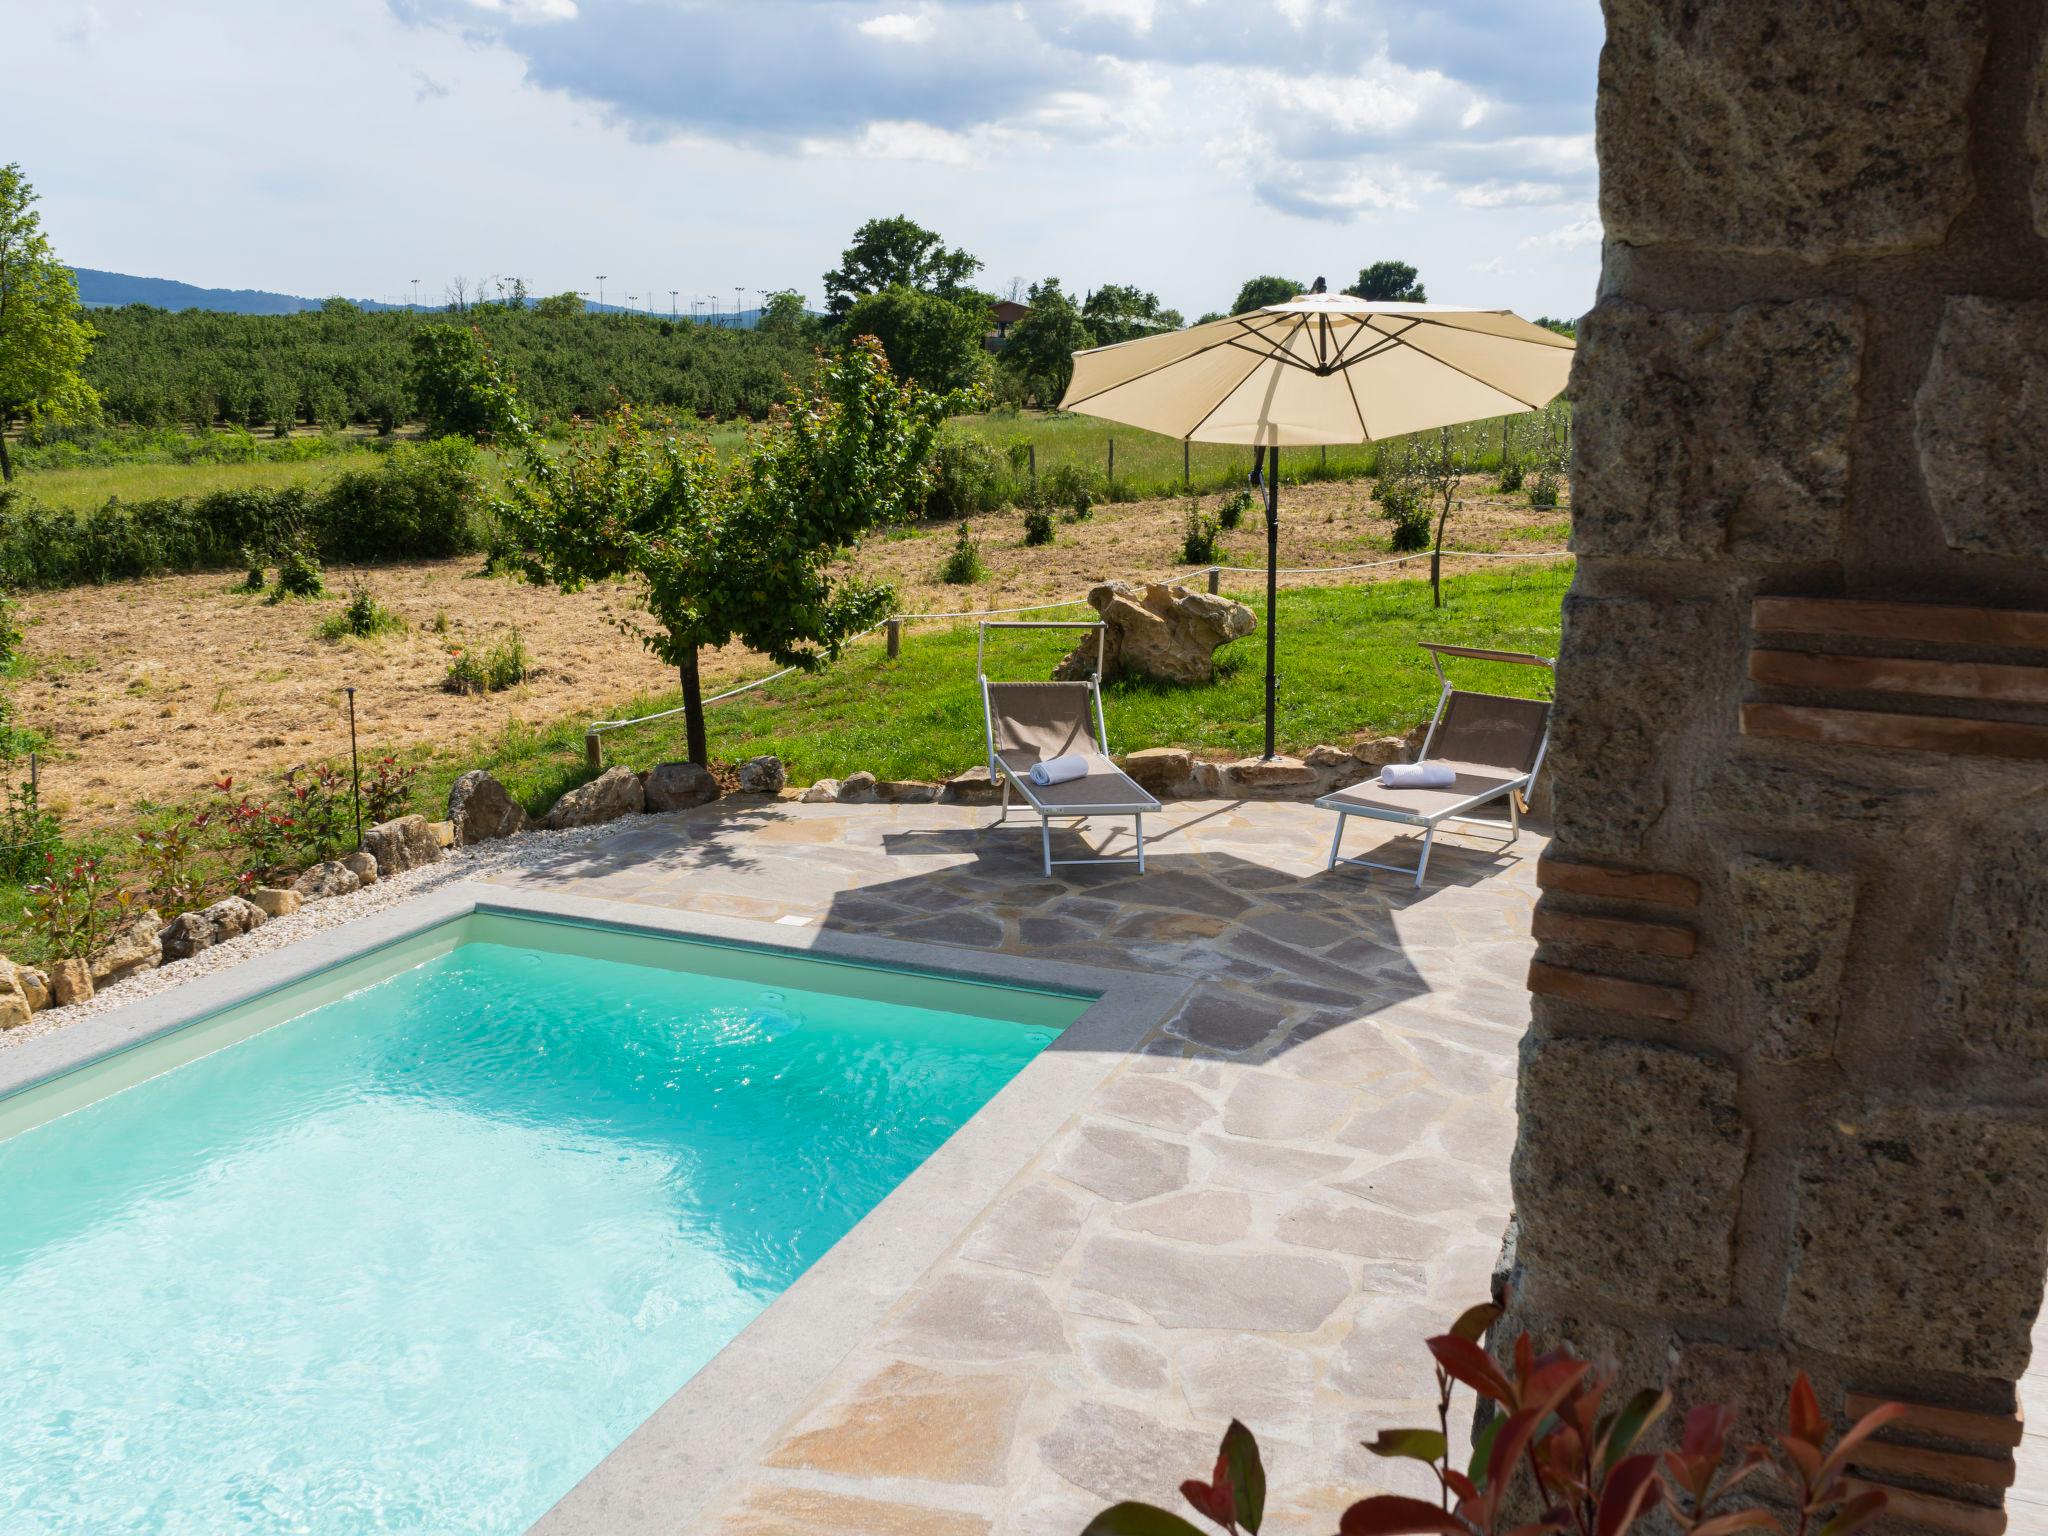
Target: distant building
1007,313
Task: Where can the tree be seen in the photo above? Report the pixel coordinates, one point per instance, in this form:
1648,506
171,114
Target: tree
560,306
1440,464
1388,282
784,315
1043,344
1120,312
739,551
1261,291
44,339
896,253
450,369
936,341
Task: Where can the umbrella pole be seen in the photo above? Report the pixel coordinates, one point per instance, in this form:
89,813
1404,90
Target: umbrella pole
1272,587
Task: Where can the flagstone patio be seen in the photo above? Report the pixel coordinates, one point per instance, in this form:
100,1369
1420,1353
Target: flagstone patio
1260,1215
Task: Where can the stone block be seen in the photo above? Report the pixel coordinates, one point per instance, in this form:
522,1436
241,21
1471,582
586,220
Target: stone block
362,865
330,878
1257,778
1031,1230
1270,1107
1378,751
276,902
1629,1169
1631,670
1194,1216
856,788
1708,434
1917,1239
444,833
824,792
1993,987
35,985
763,775
70,982
408,842
907,1421
186,935
14,1008
1120,1163
1794,922
981,1315
1118,1453
1979,419
133,945
2037,137
973,787
1241,1376
677,787
1159,769
906,792
1792,788
1225,1021
480,809
1815,131
614,793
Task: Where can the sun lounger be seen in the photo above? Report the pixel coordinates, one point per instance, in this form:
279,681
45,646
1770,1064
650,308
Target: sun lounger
1032,723
1492,743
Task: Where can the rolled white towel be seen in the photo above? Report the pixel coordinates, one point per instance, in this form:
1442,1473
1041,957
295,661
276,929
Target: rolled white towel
1057,770
1417,776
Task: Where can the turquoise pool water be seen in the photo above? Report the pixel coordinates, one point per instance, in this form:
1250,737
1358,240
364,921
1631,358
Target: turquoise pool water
417,1259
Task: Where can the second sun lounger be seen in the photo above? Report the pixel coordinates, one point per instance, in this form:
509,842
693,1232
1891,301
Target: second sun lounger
1492,743
1031,723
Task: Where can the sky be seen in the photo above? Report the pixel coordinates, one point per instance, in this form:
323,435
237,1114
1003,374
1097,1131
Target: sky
350,146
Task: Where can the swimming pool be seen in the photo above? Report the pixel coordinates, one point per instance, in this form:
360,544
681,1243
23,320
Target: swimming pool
412,1244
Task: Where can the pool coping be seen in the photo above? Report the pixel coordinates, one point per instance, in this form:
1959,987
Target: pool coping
713,1427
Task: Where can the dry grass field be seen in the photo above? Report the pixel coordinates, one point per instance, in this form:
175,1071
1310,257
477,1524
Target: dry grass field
146,690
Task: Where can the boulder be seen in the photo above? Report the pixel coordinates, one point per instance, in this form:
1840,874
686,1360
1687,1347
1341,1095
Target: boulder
1258,777
276,902
821,793
763,775
1328,757
906,792
614,793
1160,769
1161,631
35,986
132,945
362,865
70,982
186,935
14,1008
857,788
229,918
1378,751
480,809
443,832
333,878
974,787
677,786
402,844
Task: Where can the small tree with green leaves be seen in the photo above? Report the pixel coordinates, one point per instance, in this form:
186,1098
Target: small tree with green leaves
1440,464
43,335
740,551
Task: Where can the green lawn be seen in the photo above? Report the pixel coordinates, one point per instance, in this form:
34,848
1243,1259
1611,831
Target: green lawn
85,488
1348,663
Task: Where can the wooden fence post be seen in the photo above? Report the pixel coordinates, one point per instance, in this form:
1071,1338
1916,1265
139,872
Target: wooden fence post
895,633
1186,483
593,751
1215,578
1112,466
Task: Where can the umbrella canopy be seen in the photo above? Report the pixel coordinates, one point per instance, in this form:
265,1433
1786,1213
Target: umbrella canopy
1324,368
1321,368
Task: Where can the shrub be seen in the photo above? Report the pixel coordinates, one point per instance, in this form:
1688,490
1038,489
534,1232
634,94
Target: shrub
1543,489
1234,507
387,792
70,908
1402,505
170,861
1069,485
258,840
966,477
1198,541
298,572
465,673
361,616
501,666
320,812
419,503
1544,1424
27,832
963,565
253,580
1038,527
1511,475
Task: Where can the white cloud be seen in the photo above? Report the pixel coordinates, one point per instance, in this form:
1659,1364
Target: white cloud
1582,231
898,26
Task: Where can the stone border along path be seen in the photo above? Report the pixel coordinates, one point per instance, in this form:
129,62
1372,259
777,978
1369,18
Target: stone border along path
1261,1213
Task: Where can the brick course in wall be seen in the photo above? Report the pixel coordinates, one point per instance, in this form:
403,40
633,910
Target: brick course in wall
1817,369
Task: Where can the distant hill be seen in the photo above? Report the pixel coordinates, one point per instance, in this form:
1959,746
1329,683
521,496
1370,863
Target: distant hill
110,290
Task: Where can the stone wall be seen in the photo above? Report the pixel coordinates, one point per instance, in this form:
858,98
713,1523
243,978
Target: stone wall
1791,1109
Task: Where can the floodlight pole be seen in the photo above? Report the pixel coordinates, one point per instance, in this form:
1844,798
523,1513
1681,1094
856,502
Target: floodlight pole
1272,589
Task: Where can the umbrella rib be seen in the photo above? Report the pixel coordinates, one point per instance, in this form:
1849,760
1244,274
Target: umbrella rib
1357,410
1400,340
1233,389
1175,362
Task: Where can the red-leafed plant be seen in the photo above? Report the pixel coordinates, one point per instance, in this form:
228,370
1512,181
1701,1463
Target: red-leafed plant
1551,1425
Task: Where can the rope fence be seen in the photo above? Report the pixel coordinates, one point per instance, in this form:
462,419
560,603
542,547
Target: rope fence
893,627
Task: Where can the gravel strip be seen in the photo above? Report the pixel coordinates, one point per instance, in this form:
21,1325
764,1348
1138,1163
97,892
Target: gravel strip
481,862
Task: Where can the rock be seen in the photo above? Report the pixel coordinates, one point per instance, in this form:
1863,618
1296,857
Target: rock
974,787
1638,1138
1980,412
857,788
70,982
678,786
35,986
906,792
1183,1287
481,809
1256,777
362,865
1158,631
1328,757
821,793
1993,975
407,843
1717,433
1159,769
1378,751
275,902
132,945
14,1008
1861,111
186,935
331,878
614,793
444,833
190,932
763,775
233,916
1795,939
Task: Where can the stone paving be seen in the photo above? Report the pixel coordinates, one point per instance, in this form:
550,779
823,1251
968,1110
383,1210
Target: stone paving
1260,1214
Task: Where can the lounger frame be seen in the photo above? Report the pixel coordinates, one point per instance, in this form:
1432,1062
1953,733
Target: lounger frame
1514,788
1009,778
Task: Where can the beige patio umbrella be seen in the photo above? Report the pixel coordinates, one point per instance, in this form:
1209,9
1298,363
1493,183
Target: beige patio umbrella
1321,368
